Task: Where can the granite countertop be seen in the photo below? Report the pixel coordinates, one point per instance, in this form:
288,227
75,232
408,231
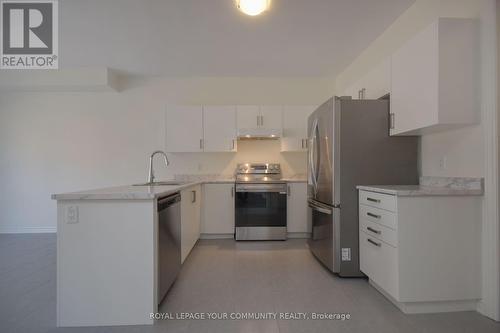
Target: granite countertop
131,192
432,186
128,192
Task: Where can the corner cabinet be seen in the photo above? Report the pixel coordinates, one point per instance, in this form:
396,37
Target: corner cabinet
294,137
422,252
218,210
434,79
190,219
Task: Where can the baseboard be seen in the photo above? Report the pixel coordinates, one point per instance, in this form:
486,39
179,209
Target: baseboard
429,307
216,236
27,230
290,235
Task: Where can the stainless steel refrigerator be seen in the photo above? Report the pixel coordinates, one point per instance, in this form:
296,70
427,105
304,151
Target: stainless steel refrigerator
349,145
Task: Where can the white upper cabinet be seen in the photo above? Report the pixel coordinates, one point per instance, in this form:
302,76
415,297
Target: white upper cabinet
295,128
375,84
219,125
200,128
248,116
257,120
434,79
271,117
184,129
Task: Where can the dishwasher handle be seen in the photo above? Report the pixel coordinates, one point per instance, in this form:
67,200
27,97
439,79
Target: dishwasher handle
168,201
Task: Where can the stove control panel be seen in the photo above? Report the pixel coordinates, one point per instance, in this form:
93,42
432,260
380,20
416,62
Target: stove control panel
258,168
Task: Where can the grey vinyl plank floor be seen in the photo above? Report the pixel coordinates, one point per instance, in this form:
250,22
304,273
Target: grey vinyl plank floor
225,277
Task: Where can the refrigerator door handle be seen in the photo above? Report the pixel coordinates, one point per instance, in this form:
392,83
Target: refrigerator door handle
320,209
312,164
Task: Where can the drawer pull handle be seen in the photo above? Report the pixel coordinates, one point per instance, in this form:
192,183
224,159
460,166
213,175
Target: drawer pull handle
373,215
373,200
373,230
373,242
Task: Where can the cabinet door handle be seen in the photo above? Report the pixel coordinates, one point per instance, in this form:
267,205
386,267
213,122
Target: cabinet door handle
232,148
258,122
261,120
373,200
306,143
201,143
193,200
373,242
392,120
232,191
288,190
373,230
373,215
302,143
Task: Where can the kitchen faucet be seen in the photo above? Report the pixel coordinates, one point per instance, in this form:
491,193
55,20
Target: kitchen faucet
151,177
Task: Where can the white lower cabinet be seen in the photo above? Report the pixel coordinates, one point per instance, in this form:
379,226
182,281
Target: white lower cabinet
190,219
296,211
422,252
379,260
218,210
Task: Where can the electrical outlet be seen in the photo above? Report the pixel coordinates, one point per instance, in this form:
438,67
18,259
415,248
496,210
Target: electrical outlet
442,163
346,254
72,214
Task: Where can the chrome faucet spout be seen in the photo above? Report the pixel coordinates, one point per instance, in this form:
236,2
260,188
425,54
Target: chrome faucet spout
151,177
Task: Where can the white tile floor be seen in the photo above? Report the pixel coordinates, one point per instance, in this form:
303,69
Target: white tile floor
223,276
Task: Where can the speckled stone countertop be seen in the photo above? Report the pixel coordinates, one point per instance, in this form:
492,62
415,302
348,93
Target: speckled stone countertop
131,192
432,186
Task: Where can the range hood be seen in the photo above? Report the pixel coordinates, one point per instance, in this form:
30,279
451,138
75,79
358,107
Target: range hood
259,134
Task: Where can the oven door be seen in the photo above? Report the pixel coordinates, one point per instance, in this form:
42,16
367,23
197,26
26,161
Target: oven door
260,211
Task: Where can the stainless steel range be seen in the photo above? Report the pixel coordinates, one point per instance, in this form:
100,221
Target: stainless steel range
260,202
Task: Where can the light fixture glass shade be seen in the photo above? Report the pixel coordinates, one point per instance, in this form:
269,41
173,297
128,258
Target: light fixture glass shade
252,7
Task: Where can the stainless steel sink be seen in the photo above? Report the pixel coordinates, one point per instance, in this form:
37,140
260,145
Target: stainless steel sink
162,183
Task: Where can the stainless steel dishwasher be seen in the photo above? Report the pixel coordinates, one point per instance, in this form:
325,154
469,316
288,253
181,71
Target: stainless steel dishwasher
169,242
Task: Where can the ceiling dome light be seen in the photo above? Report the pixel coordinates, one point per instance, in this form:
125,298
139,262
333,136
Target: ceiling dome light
252,7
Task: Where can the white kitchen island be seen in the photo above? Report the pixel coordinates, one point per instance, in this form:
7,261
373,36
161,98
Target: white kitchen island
107,250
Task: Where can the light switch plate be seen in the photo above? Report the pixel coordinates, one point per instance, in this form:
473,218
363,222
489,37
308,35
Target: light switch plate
72,214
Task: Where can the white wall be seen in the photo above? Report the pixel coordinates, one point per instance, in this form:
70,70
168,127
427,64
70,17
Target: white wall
59,142
463,149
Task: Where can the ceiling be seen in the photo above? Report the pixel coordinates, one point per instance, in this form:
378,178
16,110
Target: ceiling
295,38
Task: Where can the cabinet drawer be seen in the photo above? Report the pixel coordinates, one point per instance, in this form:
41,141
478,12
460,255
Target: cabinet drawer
379,216
379,231
378,200
379,261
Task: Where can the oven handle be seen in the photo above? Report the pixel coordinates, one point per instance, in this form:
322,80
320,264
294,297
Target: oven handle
261,190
